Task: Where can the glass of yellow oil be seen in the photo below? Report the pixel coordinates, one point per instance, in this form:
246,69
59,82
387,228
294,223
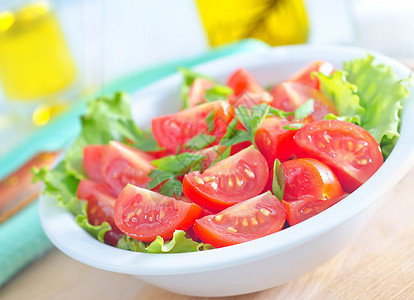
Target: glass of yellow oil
276,22
35,61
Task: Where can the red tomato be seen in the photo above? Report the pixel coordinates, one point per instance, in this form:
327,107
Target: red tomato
247,91
242,81
197,91
122,164
273,141
308,178
100,207
288,96
300,210
348,149
239,147
306,77
230,181
92,156
171,131
144,215
242,222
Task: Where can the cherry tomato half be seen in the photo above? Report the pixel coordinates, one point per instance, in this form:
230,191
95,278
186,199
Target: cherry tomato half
173,131
308,178
247,91
92,156
305,76
273,141
100,207
301,210
242,222
288,96
230,181
144,215
197,91
122,164
348,149
242,81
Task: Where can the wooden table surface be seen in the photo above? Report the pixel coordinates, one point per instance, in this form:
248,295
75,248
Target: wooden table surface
379,265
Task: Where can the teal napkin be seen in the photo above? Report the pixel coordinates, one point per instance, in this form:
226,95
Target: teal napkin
22,239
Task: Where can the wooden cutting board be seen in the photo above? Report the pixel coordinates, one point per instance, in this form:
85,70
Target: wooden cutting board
379,265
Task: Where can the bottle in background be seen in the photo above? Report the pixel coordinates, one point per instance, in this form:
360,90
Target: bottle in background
276,22
35,61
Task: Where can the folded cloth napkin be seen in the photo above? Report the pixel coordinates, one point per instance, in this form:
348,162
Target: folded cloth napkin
22,239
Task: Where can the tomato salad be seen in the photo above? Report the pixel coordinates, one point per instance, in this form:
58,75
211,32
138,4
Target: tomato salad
237,163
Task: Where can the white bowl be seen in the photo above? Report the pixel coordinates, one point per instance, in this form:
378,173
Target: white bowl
265,262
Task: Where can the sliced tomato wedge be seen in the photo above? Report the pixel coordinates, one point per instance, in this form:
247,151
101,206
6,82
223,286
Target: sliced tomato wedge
301,210
122,164
242,81
100,207
242,222
92,156
308,178
173,131
288,96
247,91
305,76
273,141
230,181
348,149
198,90
144,215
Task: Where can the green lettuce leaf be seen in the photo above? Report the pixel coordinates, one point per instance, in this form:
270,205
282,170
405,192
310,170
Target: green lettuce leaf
178,244
97,231
343,94
381,93
368,94
60,185
107,119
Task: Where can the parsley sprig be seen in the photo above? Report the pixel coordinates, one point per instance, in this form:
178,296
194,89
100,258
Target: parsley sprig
168,170
250,120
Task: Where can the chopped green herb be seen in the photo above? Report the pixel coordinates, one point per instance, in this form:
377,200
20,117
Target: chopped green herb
210,121
169,168
304,110
200,141
294,126
218,92
278,184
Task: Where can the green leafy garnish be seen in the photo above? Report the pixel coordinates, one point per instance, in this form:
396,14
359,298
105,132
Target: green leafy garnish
107,119
218,92
233,136
178,244
278,184
97,231
169,168
279,113
304,110
344,95
293,126
61,185
250,120
210,121
369,94
200,141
